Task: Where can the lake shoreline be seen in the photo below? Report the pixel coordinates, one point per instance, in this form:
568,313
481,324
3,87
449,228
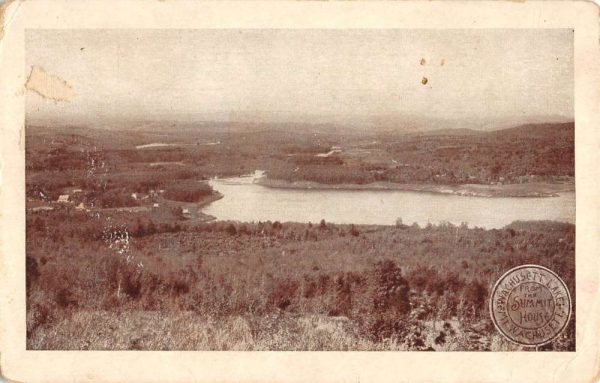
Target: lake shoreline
526,190
214,196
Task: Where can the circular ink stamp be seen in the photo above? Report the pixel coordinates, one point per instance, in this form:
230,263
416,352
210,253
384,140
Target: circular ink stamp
530,305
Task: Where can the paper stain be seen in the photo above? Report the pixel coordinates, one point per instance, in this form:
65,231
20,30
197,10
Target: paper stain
22,138
424,81
442,62
590,286
49,86
423,61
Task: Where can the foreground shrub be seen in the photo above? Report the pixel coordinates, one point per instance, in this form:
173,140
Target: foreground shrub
391,292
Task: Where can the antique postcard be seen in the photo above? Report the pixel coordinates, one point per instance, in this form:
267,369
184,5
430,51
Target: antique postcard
235,188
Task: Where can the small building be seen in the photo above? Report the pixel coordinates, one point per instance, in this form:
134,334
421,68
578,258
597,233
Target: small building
139,196
80,207
185,213
155,205
63,198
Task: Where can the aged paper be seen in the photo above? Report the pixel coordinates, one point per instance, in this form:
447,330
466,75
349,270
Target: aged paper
223,191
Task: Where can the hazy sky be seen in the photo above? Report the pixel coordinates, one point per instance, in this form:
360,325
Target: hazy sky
313,75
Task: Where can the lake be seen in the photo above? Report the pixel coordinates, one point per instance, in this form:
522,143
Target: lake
244,200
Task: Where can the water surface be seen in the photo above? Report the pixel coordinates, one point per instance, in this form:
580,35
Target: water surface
244,200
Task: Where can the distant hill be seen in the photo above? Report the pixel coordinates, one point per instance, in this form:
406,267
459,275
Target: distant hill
140,129
393,123
537,130
450,132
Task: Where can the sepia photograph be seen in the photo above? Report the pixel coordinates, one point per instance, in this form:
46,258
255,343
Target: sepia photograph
272,189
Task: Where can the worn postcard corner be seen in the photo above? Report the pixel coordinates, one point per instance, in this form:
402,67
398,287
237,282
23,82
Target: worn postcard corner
4,20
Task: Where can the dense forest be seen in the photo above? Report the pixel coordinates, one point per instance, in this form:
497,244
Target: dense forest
520,155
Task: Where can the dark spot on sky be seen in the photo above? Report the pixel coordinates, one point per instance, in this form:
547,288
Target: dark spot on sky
82,48
424,81
423,62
